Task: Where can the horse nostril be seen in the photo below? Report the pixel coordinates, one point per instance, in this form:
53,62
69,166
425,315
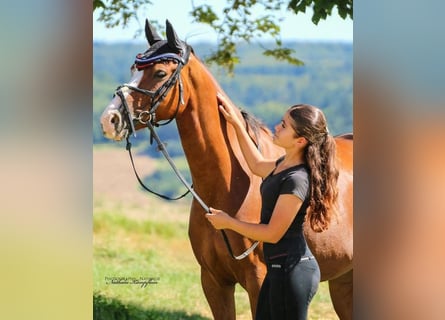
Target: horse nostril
115,119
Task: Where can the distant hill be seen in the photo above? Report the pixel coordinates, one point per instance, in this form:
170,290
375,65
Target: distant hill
260,84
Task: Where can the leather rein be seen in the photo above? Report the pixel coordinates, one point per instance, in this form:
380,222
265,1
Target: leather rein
148,118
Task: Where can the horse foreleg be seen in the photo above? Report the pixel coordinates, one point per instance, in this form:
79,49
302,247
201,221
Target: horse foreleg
221,297
341,291
254,280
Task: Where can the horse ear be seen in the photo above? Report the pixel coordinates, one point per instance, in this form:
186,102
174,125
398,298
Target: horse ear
151,34
172,38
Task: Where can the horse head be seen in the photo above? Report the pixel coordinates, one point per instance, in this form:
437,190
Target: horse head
154,92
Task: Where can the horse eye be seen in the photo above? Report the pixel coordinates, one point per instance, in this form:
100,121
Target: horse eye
160,74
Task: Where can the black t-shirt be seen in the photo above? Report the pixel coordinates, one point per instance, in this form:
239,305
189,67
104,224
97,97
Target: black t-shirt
294,180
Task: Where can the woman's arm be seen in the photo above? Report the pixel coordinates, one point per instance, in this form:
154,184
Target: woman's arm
284,213
255,160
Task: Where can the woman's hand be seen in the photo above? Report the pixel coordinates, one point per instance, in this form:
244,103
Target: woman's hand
218,218
228,110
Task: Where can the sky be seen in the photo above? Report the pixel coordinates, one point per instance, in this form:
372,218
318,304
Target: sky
293,27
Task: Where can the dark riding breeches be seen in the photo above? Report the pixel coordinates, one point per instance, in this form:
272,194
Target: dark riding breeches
288,288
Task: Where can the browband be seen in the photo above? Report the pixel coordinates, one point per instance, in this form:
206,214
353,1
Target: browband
142,61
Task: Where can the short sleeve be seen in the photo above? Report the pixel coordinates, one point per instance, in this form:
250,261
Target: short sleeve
296,183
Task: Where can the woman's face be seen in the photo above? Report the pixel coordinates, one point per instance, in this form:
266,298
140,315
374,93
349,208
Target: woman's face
285,134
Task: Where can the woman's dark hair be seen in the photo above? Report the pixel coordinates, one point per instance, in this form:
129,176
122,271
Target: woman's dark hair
320,156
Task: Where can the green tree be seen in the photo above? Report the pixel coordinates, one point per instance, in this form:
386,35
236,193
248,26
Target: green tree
235,23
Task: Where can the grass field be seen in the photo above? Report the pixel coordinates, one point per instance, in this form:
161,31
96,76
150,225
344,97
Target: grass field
143,264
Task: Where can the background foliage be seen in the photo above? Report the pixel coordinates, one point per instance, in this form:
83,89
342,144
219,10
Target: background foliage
240,21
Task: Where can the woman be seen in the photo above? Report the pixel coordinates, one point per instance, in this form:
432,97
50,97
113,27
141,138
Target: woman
300,185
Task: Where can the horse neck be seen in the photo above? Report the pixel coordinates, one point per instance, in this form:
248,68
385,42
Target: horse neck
203,133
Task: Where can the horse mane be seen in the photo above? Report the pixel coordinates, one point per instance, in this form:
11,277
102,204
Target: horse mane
255,124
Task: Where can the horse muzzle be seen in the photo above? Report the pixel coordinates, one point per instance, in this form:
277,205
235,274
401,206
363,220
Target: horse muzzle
114,125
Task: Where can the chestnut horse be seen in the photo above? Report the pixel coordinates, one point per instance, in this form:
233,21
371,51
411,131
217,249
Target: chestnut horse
170,82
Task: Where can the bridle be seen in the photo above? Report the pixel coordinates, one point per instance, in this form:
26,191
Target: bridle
148,118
